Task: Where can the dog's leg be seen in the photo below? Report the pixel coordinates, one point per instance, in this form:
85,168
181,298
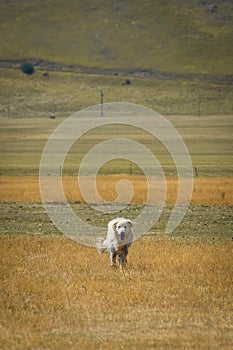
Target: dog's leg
122,260
112,257
125,255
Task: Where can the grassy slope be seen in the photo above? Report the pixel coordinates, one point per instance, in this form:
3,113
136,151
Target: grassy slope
178,37
65,93
175,36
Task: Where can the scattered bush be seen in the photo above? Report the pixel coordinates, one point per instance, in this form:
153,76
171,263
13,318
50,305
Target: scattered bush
126,82
27,68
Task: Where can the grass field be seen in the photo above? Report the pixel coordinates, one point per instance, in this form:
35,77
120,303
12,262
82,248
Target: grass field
176,292
208,139
56,294
207,191
63,93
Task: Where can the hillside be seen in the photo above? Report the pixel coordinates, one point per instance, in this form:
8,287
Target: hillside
144,38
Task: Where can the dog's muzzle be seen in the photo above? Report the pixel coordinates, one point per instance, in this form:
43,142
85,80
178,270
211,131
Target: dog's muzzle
122,236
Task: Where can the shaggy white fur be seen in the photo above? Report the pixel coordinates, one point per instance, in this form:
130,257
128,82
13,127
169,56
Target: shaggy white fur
118,240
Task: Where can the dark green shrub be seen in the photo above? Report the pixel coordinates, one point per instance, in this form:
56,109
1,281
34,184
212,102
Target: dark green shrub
27,68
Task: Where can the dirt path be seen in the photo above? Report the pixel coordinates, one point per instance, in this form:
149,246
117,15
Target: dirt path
142,73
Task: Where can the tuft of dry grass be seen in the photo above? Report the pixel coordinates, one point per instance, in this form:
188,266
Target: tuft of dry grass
209,191
58,294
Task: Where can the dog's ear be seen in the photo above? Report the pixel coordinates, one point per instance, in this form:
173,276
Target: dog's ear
130,223
114,228
115,224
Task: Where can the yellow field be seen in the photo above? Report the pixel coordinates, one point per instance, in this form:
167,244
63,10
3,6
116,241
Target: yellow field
209,191
56,294
174,294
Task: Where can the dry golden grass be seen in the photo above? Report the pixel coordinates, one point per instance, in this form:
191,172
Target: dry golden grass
209,191
56,294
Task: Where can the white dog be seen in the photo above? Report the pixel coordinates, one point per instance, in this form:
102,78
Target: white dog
118,240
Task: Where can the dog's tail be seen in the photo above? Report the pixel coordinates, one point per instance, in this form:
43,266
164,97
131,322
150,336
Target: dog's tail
99,245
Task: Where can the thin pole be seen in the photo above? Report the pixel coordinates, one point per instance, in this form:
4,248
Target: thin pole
101,103
199,103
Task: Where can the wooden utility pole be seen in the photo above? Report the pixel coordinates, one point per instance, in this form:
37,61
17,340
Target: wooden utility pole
199,103
101,103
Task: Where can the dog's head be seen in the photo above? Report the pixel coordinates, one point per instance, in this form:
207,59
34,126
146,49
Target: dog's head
122,228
